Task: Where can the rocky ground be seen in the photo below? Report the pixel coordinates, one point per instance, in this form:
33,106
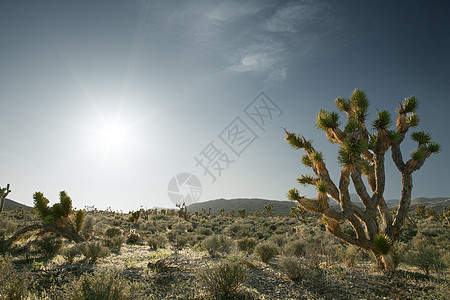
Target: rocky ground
165,274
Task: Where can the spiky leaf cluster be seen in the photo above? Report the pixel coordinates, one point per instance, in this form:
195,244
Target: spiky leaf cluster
295,141
433,147
421,137
321,186
342,104
326,120
359,105
394,136
413,120
350,152
316,157
382,243
382,121
409,105
293,194
306,161
418,155
306,180
41,204
352,125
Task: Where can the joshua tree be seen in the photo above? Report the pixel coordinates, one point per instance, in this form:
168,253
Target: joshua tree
363,154
55,219
3,193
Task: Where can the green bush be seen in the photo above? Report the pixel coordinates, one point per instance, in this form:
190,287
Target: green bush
266,251
293,267
223,280
50,245
115,244
156,241
216,244
426,257
247,244
113,232
295,248
94,250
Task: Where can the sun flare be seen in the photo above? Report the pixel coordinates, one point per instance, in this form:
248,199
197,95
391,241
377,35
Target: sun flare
111,139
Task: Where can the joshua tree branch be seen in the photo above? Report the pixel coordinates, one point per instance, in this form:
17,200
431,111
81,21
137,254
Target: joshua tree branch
403,207
361,188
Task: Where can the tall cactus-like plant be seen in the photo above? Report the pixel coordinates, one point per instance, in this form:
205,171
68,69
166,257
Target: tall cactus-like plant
362,155
3,193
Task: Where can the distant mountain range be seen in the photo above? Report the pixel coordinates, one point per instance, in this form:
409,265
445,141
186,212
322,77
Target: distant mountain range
11,205
279,206
283,207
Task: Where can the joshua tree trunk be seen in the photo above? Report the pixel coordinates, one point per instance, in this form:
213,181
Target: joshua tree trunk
363,155
73,236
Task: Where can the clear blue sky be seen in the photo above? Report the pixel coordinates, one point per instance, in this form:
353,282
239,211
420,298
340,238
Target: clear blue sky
109,100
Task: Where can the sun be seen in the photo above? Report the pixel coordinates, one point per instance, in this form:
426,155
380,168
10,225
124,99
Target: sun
111,139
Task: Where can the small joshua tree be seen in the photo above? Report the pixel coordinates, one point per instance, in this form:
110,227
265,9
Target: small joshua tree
363,154
3,193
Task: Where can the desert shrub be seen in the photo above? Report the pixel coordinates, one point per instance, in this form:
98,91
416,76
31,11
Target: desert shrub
278,239
222,280
266,251
5,266
216,244
247,244
94,250
133,236
293,267
156,241
105,285
13,285
50,245
350,255
204,231
295,248
71,253
115,243
88,228
113,232
7,227
426,257
180,241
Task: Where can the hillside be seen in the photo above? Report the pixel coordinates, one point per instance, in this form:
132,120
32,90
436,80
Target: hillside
283,207
12,205
250,204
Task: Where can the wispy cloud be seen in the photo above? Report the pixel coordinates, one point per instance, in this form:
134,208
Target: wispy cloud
231,11
266,46
260,38
290,16
261,57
